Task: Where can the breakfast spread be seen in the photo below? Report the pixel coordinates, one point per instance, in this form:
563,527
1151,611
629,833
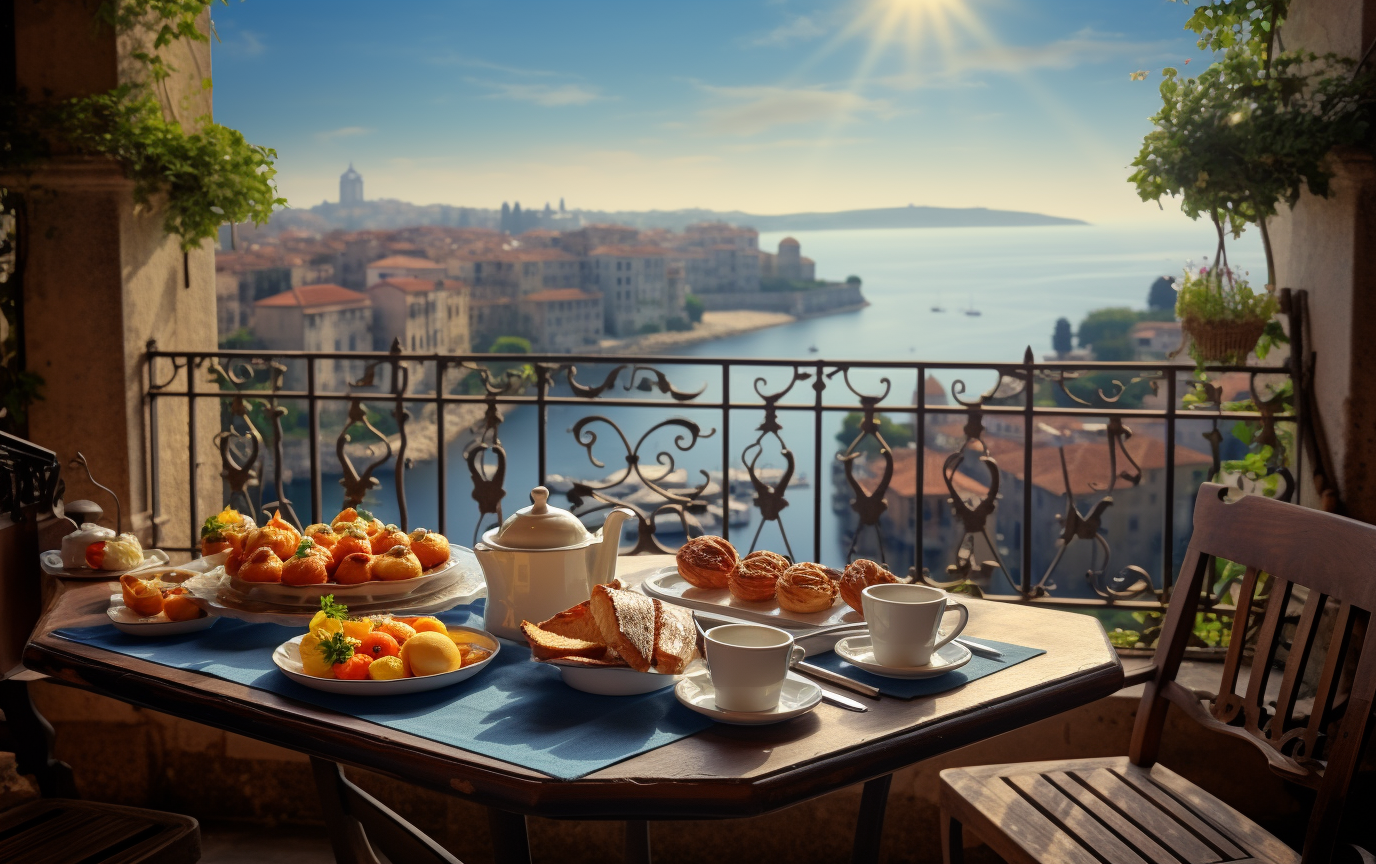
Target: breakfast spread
617,628
355,547
151,598
382,647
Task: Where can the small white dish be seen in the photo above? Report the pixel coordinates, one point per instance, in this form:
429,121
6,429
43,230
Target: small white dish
798,696
287,656
858,652
613,680
51,562
128,621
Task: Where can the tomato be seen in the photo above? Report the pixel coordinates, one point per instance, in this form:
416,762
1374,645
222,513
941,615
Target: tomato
378,644
95,554
353,669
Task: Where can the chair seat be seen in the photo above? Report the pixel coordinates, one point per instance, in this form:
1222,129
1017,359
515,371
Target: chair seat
1060,811
58,831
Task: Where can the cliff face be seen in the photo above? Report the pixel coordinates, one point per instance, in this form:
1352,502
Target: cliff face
800,304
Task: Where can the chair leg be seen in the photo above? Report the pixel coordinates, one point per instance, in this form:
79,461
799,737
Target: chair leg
510,842
637,842
952,840
33,741
346,834
869,826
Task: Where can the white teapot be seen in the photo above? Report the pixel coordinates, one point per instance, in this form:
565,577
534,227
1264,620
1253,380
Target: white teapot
542,561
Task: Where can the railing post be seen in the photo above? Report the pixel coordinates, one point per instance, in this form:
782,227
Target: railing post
920,434
313,409
441,451
1168,521
155,493
726,450
541,419
818,385
1025,577
193,534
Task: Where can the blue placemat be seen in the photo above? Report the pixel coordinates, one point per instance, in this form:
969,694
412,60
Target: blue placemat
899,688
514,710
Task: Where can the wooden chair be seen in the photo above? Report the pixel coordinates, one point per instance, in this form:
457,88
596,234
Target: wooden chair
1131,809
51,831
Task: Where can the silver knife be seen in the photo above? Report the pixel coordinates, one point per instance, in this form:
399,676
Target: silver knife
841,701
981,650
834,678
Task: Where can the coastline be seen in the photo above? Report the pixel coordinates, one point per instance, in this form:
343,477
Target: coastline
714,325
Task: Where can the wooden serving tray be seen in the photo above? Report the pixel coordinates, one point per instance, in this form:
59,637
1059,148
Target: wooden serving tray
666,585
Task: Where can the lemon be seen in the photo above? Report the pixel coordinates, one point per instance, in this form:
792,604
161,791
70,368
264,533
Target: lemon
431,654
358,628
386,669
319,621
313,662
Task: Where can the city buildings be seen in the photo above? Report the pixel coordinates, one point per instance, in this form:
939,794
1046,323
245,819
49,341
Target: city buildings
320,317
403,267
634,288
562,320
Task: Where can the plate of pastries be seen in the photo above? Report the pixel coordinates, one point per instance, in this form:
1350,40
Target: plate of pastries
710,574
355,557
616,643
382,655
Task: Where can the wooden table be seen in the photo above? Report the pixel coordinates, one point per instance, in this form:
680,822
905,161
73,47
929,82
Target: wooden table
722,772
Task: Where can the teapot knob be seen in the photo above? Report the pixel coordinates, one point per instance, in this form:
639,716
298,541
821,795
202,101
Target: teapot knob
539,497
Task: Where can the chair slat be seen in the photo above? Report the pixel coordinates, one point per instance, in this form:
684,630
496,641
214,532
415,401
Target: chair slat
1264,654
1300,648
1167,827
1227,705
1112,817
1327,691
1074,819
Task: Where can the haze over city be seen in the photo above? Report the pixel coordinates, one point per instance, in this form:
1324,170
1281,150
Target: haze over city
766,107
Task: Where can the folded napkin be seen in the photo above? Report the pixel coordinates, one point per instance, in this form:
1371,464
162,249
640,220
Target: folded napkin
514,710
901,688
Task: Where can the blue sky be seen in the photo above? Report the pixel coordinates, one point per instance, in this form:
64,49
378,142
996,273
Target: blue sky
758,105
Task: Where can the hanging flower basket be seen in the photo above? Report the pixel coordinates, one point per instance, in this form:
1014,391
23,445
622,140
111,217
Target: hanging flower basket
1223,341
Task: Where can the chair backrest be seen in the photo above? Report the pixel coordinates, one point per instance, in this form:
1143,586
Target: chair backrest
1288,547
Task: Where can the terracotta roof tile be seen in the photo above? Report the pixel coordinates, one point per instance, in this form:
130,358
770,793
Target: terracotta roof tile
406,262
630,252
410,286
555,294
309,296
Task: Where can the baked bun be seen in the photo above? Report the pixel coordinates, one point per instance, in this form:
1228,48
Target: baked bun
307,566
351,540
806,587
177,605
755,576
354,569
396,564
324,536
859,575
707,562
432,549
139,596
261,565
277,535
388,537
780,562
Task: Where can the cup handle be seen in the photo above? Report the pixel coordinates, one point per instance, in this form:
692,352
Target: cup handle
796,655
954,631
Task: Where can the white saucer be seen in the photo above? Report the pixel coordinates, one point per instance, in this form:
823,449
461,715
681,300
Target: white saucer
799,696
857,651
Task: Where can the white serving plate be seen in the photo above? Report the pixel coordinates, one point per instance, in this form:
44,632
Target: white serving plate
128,621
287,656
613,680
858,651
376,591
51,562
797,697
665,584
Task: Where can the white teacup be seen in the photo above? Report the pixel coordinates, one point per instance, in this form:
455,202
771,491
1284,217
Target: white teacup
905,620
748,663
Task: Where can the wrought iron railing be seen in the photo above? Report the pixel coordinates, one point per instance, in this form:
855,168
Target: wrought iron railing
993,490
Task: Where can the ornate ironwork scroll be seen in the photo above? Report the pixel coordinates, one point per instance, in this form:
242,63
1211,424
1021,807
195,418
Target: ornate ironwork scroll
769,499
241,469
974,520
869,505
583,494
489,486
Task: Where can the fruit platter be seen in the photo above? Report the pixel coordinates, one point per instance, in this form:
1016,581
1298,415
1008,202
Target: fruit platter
377,655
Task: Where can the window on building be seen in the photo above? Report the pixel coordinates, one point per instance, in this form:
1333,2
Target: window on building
338,345
353,342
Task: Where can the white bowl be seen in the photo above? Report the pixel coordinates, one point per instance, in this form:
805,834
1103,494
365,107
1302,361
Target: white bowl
377,590
613,680
287,656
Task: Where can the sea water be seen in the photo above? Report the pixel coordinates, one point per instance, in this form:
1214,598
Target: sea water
1020,280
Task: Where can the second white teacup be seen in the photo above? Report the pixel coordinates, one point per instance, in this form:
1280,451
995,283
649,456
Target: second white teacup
905,621
748,663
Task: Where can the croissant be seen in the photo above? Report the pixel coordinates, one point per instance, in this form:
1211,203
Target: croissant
859,575
755,576
432,549
707,562
806,587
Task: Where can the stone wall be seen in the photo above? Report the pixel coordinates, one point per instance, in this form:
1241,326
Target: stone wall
837,297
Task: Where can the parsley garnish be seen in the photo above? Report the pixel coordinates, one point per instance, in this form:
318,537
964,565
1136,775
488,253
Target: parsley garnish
332,609
338,648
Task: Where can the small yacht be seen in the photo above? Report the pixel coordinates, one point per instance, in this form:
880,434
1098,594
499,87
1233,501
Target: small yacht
938,309
812,349
973,313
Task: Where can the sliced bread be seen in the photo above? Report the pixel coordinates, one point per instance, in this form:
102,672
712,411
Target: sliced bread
627,622
545,645
576,623
675,638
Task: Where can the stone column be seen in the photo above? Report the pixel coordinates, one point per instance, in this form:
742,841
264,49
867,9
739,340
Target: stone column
1327,246
102,278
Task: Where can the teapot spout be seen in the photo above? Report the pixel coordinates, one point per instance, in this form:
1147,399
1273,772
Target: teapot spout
604,570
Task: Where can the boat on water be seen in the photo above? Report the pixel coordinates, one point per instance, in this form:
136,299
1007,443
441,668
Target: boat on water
938,308
973,313
812,349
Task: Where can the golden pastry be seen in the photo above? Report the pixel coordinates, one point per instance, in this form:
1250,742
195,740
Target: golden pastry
707,562
277,535
432,549
395,564
307,566
806,587
261,565
139,596
323,535
177,605
347,516
859,575
351,540
754,577
780,562
354,569
234,561
388,537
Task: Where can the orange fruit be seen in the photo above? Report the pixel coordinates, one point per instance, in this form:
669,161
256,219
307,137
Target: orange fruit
430,654
379,644
429,624
353,669
398,630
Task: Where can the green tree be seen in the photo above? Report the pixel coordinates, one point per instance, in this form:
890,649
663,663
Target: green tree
1103,326
510,345
693,308
852,280
897,435
242,338
1162,294
1061,337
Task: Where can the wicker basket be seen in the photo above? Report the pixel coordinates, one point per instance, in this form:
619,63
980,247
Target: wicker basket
1224,341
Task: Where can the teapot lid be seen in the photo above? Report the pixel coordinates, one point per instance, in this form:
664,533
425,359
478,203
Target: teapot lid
541,526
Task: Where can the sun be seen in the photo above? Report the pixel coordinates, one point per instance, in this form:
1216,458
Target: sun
913,27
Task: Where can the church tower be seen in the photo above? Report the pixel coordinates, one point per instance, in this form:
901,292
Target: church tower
350,187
